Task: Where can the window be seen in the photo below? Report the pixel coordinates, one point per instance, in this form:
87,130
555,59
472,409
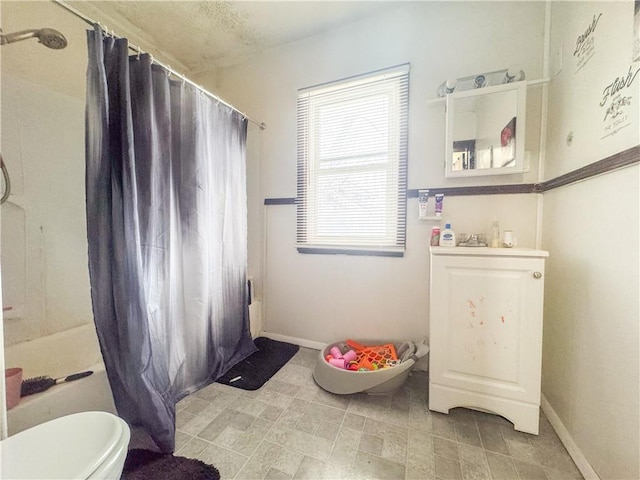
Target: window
352,165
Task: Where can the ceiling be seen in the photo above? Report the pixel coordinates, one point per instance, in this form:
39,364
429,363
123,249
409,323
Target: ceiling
202,35
192,36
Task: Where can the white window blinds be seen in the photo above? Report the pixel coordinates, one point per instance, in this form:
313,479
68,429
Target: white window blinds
352,165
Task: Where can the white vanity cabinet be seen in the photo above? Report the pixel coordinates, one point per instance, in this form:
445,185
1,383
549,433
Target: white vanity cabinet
486,331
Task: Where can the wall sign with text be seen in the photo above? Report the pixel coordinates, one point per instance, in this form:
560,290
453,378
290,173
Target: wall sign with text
616,102
586,44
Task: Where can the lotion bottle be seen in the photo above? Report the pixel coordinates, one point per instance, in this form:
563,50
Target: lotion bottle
447,237
494,241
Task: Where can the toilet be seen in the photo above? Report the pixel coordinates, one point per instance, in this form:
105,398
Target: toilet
87,445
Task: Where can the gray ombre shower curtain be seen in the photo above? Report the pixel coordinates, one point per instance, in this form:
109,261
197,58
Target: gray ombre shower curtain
166,221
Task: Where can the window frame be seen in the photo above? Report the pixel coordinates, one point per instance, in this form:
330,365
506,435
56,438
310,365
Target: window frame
392,83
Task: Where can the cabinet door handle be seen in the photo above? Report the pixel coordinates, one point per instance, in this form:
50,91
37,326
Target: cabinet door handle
537,275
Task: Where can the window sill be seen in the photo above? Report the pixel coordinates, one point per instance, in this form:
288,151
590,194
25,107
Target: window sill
371,252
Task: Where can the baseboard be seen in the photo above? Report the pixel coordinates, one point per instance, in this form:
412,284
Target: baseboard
296,341
576,454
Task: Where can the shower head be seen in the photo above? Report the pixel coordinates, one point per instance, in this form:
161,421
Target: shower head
47,36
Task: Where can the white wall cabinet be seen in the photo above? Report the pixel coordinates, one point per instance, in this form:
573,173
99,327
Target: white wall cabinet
486,309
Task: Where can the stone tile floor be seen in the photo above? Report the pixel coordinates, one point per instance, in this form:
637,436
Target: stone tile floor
292,429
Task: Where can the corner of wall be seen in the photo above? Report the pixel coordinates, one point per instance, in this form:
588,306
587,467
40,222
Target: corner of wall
576,454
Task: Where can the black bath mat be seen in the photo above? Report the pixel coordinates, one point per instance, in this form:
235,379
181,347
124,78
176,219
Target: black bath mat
257,368
146,465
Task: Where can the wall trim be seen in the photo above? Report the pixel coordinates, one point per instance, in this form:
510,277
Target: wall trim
280,201
575,453
626,158
478,190
296,341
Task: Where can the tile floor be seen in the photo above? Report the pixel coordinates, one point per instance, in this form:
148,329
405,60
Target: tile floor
292,429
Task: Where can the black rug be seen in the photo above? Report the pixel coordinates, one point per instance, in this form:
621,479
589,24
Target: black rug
255,370
146,465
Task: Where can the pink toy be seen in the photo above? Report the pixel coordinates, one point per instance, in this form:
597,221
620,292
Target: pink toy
338,362
335,351
350,356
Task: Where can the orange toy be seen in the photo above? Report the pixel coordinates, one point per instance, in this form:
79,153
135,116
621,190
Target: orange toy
378,354
364,363
355,345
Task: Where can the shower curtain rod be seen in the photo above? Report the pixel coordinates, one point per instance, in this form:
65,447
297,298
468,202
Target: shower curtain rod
137,49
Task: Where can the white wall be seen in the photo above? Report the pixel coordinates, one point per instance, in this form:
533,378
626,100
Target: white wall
44,252
324,298
44,247
591,229
576,93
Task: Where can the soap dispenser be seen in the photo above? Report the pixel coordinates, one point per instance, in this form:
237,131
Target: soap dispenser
447,237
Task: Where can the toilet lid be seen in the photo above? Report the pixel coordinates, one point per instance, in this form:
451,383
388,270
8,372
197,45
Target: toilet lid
67,447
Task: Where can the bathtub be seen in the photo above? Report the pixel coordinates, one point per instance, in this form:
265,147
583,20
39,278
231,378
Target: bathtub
59,355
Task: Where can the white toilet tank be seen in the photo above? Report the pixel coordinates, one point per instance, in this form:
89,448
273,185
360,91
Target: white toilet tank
85,445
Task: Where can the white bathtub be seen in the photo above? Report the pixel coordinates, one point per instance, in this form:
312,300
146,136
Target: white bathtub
59,355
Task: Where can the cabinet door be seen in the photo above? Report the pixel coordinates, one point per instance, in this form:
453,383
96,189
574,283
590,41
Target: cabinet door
486,325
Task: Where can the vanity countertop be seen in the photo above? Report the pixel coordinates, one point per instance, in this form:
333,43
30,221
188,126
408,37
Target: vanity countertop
489,252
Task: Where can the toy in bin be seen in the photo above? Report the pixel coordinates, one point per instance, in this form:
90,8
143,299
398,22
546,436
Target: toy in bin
351,367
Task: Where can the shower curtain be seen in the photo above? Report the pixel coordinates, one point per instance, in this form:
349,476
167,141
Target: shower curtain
166,222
